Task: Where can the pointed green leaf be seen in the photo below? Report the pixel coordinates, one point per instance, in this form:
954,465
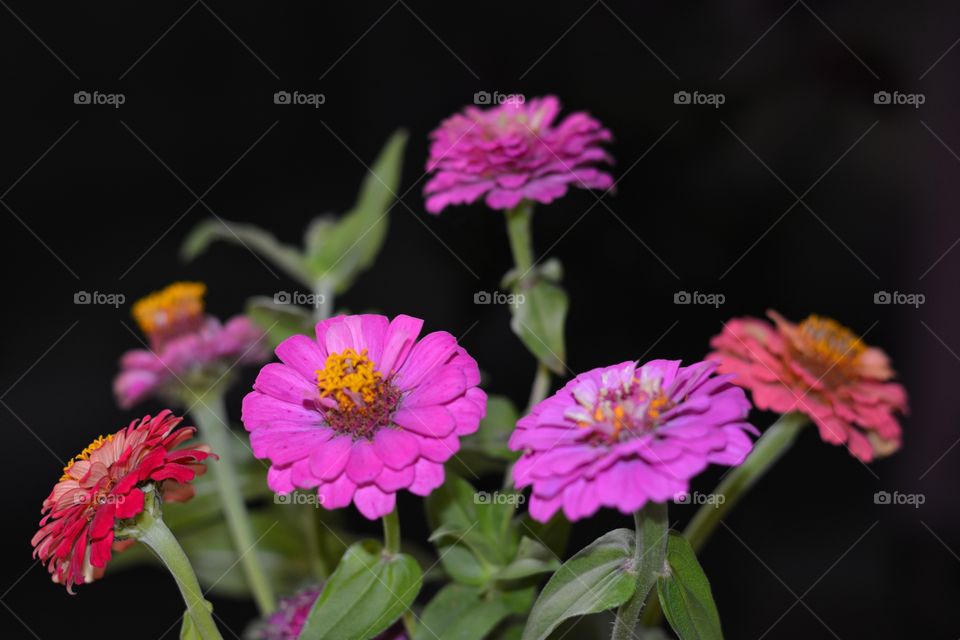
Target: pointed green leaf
340,251
280,321
261,242
532,559
538,319
366,594
599,577
685,594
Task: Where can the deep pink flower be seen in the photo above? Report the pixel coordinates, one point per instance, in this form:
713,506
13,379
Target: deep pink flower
821,368
514,152
624,435
102,485
186,346
363,411
287,622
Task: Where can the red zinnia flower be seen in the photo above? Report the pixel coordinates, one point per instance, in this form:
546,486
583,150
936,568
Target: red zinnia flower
102,485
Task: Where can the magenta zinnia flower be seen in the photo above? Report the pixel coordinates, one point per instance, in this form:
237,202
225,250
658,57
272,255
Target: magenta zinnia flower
514,152
103,485
821,368
288,621
186,346
624,435
363,411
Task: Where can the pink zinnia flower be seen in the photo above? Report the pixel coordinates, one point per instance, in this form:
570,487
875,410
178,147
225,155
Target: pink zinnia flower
514,152
102,486
288,621
363,411
186,346
822,369
624,435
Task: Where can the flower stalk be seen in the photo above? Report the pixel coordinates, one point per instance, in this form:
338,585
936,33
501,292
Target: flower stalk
648,557
391,532
210,415
153,532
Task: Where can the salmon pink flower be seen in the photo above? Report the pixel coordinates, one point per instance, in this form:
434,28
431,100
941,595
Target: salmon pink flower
822,369
513,152
288,621
363,410
105,485
186,346
628,434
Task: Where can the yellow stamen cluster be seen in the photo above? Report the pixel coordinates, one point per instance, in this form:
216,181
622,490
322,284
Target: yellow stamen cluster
179,302
349,376
85,454
830,341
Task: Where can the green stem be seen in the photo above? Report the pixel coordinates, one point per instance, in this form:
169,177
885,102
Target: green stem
391,532
769,448
154,533
521,238
648,557
211,418
540,388
311,533
324,291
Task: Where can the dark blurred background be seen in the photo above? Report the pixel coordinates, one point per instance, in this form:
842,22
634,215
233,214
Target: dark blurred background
98,198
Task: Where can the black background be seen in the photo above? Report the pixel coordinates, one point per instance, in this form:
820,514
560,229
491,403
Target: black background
99,199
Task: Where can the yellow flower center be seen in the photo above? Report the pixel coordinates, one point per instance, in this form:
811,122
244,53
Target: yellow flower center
831,342
85,454
178,306
351,379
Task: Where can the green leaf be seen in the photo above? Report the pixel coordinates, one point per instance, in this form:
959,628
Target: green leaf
599,577
461,612
685,594
539,320
554,533
280,321
532,559
338,252
253,238
495,429
368,591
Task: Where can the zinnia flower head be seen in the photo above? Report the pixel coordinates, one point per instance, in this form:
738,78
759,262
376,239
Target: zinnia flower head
363,410
186,345
104,485
513,152
623,435
291,615
821,368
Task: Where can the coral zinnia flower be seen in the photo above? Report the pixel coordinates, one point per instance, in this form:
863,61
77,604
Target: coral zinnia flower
822,369
186,346
102,486
513,152
624,435
363,411
288,621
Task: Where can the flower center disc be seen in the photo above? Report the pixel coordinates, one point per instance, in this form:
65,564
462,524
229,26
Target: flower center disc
621,413
172,311
354,396
830,343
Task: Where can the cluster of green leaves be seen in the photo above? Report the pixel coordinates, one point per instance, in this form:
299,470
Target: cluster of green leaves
603,575
493,558
335,250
